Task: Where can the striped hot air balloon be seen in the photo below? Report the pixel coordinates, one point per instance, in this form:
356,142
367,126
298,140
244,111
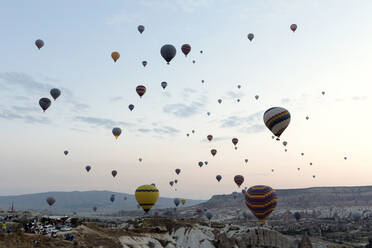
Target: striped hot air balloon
261,200
141,90
147,196
277,120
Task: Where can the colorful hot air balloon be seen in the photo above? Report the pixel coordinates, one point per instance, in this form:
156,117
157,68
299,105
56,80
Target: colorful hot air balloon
183,201
131,107
55,93
176,201
116,131
144,63
147,196
297,216
293,27
235,141
200,164
39,43
261,200
210,137
114,173
50,200
87,168
186,48
141,90
218,177
45,103
115,56
277,120
141,28
163,85
250,36
213,152
178,171
168,52
239,179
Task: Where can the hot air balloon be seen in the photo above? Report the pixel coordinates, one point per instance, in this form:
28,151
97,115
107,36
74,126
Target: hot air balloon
140,159
277,120
272,170
206,162
200,164
235,141
285,150
219,101
147,196
44,103
243,191
55,93
125,198
202,81
163,85
94,208
250,36
238,100
209,215
39,43
218,177
171,183
208,113
140,89
297,216
115,56
345,158
193,131
50,200
87,168
114,173
193,61
116,131
213,152
141,28
285,143
313,176
186,48
168,52
239,86
238,179
261,200
65,152
178,171
246,160
176,181
210,137
307,117
131,107
311,163
323,93
183,201
112,198
256,96
298,169
144,63
176,201
201,51
187,134
293,27
302,153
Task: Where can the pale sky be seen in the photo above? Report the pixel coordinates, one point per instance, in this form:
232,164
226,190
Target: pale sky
330,51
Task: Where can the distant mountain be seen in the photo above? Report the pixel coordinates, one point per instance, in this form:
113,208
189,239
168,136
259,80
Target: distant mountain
81,202
307,198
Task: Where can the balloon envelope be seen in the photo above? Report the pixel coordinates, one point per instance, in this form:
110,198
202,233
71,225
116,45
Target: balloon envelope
168,52
45,103
277,120
141,28
39,43
176,201
87,168
213,152
239,179
293,27
55,93
116,131
141,90
250,36
147,196
261,200
114,173
218,177
186,48
178,171
131,107
115,56
50,200
164,84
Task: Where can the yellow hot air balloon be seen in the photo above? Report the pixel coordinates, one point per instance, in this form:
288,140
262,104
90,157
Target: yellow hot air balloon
183,201
147,196
115,56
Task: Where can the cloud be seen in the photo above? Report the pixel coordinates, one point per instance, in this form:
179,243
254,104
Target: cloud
102,122
187,93
166,130
144,130
183,110
122,17
116,99
235,95
250,124
359,98
11,80
8,115
187,6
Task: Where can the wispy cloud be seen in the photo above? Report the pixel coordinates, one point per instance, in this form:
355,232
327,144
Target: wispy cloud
166,130
187,6
102,122
116,99
235,95
9,115
183,110
250,124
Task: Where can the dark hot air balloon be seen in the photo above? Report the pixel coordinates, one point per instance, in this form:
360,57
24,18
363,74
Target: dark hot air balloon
141,28
87,168
178,171
293,27
176,201
112,198
235,141
144,63
168,52
163,85
140,89
131,107
39,43
50,200
213,152
94,208
250,36
218,177
200,164
297,216
55,93
210,137
186,48
44,103
116,131
115,56
239,179
114,173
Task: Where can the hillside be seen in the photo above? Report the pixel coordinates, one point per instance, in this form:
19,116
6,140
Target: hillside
81,202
